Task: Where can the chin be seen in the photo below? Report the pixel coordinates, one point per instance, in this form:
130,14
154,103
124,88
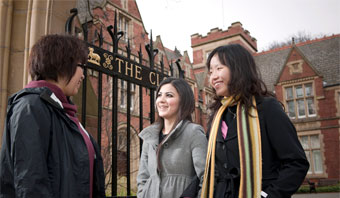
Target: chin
222,93
161,115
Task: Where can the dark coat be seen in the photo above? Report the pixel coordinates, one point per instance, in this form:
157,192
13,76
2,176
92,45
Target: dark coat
43,153
284,163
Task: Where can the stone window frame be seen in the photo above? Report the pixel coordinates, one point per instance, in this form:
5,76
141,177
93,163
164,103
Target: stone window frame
311,173
122,93
295,99
125,20
337,100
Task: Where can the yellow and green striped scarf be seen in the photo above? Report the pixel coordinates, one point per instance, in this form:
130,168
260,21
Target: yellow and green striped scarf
249,143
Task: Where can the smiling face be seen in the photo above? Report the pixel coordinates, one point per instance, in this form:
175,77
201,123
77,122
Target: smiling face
167,102
219,76
71,88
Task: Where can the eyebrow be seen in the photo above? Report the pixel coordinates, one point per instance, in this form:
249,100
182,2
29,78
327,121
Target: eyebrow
166,92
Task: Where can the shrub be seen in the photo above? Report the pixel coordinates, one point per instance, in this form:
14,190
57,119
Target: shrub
333,188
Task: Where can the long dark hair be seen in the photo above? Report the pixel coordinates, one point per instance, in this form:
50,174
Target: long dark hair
187,100
245,80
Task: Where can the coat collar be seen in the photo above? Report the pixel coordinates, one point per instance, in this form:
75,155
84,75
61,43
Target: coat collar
151,133
44,93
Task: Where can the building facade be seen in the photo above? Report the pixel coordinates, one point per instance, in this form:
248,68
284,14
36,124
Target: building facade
305,78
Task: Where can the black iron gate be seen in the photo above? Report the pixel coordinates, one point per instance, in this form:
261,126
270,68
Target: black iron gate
118,67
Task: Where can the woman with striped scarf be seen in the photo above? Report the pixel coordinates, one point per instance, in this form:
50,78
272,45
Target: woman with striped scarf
253,148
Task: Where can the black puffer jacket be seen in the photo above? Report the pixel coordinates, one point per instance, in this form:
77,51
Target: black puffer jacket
43,153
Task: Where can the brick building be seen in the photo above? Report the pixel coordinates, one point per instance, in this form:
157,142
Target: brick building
305,77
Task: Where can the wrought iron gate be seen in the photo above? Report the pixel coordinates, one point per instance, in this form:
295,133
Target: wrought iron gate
118,67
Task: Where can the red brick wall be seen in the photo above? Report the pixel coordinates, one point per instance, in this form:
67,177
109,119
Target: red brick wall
197,56
218,34
330,131
331,152
278,93
133,9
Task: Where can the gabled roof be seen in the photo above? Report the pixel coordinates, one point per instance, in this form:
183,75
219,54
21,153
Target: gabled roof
172,55
322,54
292,49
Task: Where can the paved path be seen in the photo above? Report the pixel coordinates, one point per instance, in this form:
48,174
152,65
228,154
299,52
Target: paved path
318,195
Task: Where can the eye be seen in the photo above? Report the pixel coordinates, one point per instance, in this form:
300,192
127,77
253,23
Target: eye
169,95
159,94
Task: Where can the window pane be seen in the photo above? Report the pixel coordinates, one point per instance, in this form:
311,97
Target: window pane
301,108
317,161
311,108
315,142
289,93
308,158
304,142
126,25
291,109
120,24
308,89
299,91
132,101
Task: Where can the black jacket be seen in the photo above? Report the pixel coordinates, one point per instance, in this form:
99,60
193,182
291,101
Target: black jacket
284,163
43,153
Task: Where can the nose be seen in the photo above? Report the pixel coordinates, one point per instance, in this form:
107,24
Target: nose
82,76
213,76
160,98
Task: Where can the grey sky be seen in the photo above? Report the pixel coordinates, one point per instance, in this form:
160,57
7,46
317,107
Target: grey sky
266,20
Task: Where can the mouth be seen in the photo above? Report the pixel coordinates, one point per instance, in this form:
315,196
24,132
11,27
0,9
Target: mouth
217,84
162,108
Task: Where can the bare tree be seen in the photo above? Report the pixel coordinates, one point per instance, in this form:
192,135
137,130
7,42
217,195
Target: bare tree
299,37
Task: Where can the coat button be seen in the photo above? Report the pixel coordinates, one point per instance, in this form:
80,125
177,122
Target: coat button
225,165
166,145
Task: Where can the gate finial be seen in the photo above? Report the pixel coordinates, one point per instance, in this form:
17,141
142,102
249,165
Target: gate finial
151,52
85,30
115,35
181,72
68,25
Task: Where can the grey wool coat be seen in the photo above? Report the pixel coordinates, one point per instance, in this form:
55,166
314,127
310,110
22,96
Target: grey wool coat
167,168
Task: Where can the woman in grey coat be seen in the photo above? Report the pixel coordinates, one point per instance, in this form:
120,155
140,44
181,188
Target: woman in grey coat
174,148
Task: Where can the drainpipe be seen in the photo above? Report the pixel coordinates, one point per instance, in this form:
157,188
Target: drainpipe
6,12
